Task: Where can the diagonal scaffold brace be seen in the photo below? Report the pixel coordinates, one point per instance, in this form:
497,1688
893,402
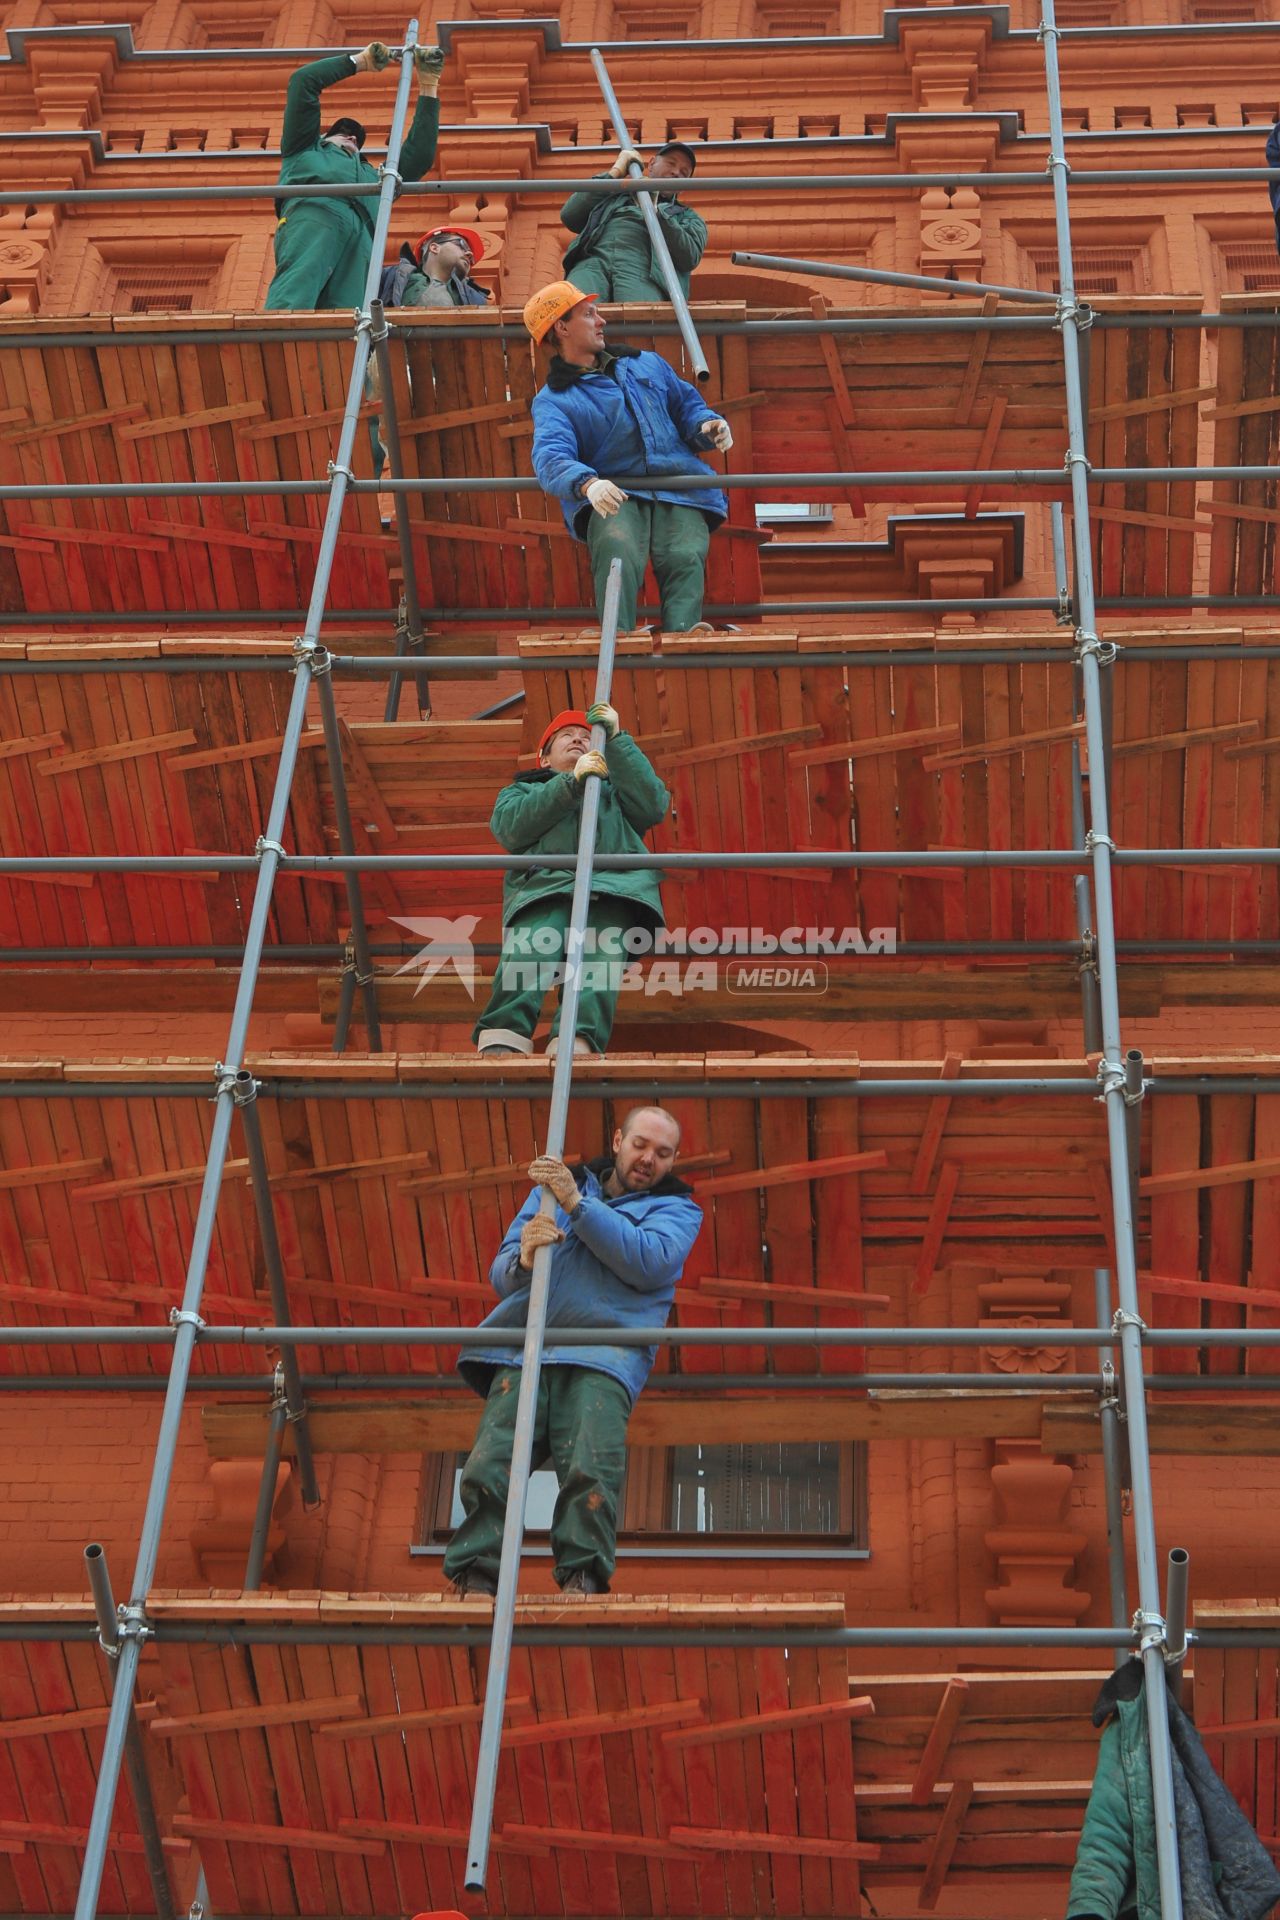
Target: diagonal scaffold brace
495,1694
187,1323
653,226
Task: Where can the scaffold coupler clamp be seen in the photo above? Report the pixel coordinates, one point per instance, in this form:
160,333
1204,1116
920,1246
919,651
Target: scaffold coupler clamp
1122,1318
186,1317
1065,615
335,467
1150,1631
1046,32
236,1081
264,845
1109,1398
1090,647
321,662
390,173
1094,839
1111,1078
304,649
279,1392
1088,961
133,1625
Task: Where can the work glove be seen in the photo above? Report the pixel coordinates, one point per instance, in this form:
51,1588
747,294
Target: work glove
717,432
541,1231
624,160
603,715
590,763
548,1171
604,497
374,57
428,62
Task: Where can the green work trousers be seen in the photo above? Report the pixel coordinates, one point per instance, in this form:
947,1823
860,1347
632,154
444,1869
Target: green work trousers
580,1425
675,539
533,948
322,250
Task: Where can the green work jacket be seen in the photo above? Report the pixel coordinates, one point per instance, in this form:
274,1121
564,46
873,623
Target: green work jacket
307,161
539,813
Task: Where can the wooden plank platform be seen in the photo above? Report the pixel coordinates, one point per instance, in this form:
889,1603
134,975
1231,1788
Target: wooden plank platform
330,1803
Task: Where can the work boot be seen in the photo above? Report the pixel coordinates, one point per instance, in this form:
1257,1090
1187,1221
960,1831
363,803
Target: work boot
580,1583
499,1043
580,1047
475,1585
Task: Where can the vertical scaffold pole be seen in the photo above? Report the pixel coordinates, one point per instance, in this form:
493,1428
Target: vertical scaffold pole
230,1090
1089,1012
1113,1491
389,432
495,1694
653,226
95,1562
1111,1073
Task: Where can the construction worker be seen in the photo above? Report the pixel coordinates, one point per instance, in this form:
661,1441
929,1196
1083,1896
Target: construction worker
620,1235
612,256
624,412
539,813
322,246
436,271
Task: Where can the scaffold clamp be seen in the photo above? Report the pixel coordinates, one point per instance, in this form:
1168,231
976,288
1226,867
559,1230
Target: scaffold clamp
1090,645
1150,1630
1109,1397
134,1625
390,173
335,467
1073,459
186,1317
1088,961
321,662
264,845
304,648
1092,840
1111,1077
1122,1318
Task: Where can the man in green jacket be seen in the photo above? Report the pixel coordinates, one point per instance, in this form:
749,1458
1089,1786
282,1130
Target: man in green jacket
612,256
539,813
322,246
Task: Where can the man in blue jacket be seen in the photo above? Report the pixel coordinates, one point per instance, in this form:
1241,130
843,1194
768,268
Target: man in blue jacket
625,412
620,1236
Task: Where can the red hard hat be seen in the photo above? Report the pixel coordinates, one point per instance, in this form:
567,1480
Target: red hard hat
468,234
571,717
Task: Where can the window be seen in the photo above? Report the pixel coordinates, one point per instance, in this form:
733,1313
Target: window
1097,269
187,139
1249,266
754,1497
254,138
794,513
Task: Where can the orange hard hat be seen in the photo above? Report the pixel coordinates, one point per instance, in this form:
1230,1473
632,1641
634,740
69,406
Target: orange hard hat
571,717
550,304
468,234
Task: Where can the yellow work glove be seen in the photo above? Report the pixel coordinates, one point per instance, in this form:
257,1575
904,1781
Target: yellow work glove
548,1171
590,763
541,1231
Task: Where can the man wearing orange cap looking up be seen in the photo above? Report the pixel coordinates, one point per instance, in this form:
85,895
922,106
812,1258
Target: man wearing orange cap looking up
539,813
622,412
436,271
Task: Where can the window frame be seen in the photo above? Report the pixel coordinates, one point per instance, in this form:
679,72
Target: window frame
647,1490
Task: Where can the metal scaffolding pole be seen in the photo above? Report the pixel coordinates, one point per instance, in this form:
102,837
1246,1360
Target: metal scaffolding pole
495,1693
230,1091
1111,1070
273,1261
362,976
410,635
923,282
1109,1424
652,226
267,1485
135,1758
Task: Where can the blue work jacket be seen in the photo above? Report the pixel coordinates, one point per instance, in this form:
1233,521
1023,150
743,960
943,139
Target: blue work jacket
617,1266
585,423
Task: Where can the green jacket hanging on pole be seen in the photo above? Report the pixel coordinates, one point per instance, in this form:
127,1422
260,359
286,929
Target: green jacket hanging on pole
322,246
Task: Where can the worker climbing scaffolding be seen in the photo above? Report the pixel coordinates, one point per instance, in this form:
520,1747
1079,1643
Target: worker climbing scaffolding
322,246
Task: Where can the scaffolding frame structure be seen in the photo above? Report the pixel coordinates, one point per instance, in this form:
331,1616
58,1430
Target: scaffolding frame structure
1157,1631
